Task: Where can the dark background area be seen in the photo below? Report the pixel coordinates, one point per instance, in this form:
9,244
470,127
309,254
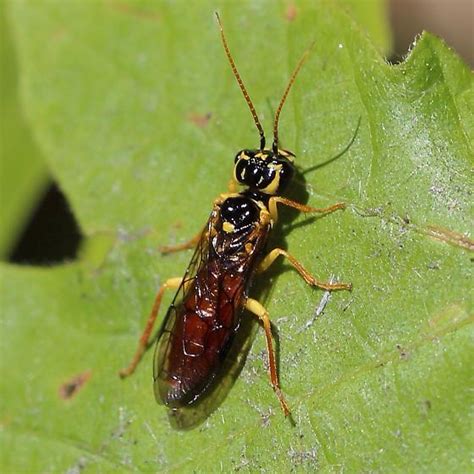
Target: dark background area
452,20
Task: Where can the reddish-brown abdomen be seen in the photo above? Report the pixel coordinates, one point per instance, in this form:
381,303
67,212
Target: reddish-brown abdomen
199,335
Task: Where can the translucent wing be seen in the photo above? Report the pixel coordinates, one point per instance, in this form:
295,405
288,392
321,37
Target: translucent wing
202,320
173,329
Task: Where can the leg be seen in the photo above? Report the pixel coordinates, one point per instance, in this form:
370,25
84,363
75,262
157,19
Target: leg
272,207
172,283
308,278
195,240
256,308
190,244
233,186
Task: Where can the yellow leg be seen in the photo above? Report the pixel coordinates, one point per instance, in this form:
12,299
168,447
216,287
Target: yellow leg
256,308
272,207
190,244
172,283
308,278
195,240
233,186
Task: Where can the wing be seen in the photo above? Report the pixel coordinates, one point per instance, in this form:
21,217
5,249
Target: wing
173,326
201,322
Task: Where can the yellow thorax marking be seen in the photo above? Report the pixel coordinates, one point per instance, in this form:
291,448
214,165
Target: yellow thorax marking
228,227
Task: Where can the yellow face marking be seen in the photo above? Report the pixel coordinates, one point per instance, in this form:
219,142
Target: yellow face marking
275,167
228,227
248,247
272,188
263,155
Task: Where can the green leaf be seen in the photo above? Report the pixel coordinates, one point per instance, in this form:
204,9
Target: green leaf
137,112
23,172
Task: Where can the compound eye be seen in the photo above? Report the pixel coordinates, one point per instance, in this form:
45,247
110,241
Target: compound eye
240,170
285,174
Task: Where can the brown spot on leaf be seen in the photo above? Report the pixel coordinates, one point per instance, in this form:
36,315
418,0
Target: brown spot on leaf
291,12
133,10
69,389
201,120
59,34
5,421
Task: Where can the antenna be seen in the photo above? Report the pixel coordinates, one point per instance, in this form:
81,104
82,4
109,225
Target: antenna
241,85
285,95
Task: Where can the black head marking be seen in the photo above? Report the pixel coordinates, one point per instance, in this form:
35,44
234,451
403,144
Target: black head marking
264,170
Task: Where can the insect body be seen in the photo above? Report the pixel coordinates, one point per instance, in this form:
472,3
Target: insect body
202,321
206,313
